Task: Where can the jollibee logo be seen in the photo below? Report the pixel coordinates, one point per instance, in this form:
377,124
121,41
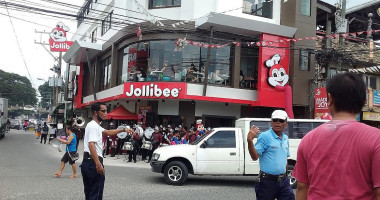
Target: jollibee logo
58,34
152,90
276,74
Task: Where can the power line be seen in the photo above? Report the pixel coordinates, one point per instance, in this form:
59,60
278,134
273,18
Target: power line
19,48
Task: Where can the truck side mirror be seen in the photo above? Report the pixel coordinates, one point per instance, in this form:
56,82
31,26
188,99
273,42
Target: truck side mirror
204,145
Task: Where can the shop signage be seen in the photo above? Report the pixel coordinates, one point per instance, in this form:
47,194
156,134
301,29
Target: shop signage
58,41
371,116
277,74
376,98
320,102
155,90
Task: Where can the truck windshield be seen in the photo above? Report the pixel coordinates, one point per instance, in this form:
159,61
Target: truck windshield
201,138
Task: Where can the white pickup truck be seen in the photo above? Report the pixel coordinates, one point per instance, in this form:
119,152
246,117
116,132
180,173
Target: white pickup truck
224,151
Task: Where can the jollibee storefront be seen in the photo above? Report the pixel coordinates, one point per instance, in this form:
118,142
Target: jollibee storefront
135,75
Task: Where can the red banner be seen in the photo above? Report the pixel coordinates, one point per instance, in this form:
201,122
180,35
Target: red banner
149,90
320,102
273,71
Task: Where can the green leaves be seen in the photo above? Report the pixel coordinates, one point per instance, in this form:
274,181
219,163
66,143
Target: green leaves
17,89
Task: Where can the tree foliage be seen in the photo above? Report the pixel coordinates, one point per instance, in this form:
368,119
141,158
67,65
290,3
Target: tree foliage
47,94
17,89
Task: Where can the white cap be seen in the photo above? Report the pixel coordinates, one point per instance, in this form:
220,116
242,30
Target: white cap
279,114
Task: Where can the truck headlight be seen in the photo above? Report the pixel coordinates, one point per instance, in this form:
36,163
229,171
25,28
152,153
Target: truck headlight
155,156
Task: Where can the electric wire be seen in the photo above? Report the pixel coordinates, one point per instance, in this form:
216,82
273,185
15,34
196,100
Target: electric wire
19,48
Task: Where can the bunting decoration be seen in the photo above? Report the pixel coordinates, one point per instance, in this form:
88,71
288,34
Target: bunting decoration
138,33
180,43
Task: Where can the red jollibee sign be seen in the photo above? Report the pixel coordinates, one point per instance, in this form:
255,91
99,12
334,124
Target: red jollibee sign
155,90
58,41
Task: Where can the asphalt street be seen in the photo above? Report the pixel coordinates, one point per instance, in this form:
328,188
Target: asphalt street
27,167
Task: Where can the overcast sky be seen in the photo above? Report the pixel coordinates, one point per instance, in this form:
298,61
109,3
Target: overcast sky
38,60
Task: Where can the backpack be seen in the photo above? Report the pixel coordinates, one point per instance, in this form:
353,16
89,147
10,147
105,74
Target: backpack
45,128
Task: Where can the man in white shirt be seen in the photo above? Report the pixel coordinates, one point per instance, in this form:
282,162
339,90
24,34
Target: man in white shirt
92,166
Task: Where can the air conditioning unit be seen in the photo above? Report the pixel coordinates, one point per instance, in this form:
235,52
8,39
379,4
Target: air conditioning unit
247,7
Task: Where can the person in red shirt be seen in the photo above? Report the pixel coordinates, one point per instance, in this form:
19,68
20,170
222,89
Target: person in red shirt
341,158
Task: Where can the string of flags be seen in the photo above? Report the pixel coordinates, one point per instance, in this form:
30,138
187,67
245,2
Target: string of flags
181,43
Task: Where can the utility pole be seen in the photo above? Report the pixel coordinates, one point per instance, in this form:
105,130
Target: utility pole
343,15
56,88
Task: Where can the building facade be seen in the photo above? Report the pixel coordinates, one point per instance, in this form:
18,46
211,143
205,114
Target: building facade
173,61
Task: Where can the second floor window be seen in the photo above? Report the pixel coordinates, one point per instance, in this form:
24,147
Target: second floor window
107,23
164,3
261,8
105,74
93,36
304,64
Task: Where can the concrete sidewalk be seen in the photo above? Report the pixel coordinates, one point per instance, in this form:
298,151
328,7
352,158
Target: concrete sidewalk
120,161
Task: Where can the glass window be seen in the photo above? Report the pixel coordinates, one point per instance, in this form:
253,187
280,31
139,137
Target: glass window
107,23
300,129
222,139
105,73
260,8
304,64
248,67
306,7
93,35
157,61
164,3
134,62
372,82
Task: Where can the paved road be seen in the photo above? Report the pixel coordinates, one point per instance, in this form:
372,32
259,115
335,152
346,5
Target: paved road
26,169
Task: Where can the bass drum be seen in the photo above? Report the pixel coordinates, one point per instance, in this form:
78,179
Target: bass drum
128,146
148,132
147,145
140,131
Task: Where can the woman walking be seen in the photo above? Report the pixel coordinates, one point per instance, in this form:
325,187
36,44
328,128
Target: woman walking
71,142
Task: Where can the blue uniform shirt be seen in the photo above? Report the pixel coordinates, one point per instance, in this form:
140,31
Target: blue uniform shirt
273,152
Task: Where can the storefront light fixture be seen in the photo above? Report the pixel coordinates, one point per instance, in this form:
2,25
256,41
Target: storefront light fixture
163,100
226,104
192,102
127,101
138,100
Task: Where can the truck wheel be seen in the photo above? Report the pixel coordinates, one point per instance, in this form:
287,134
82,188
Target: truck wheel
176,173
292,179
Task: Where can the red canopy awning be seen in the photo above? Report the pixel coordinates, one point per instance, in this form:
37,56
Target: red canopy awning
121,113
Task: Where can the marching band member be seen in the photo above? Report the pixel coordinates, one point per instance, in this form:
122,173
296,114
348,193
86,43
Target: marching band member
135,138
146,137
156,141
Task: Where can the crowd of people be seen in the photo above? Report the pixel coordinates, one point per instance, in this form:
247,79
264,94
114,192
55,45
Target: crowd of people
144,141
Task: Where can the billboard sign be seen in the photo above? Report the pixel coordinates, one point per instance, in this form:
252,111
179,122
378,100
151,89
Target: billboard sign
320,102
58,40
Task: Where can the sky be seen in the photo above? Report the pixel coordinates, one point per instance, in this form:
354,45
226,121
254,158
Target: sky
38,60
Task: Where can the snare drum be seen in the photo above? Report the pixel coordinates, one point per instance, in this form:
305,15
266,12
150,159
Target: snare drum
128,146
147,145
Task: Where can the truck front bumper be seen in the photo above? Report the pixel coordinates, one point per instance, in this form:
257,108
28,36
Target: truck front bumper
157,166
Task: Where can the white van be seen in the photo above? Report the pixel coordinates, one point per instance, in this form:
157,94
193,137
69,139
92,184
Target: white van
224,151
